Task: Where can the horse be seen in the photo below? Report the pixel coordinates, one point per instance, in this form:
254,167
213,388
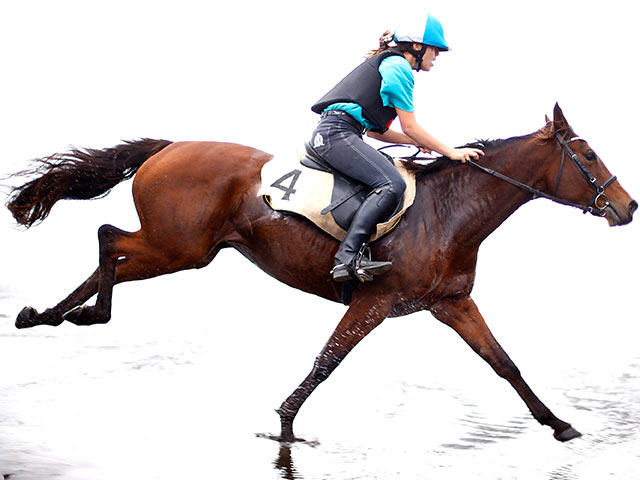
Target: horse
196,198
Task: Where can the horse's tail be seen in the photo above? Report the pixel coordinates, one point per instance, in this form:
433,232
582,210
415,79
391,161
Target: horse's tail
79,174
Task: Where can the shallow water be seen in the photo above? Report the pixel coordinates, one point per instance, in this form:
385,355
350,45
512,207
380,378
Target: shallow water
152,400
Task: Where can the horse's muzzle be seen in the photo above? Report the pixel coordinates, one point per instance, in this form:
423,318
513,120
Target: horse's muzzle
615,217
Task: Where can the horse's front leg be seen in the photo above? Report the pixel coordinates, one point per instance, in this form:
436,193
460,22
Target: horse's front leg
463,316
362,317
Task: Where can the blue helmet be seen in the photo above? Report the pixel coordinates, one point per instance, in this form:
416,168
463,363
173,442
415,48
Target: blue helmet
417,30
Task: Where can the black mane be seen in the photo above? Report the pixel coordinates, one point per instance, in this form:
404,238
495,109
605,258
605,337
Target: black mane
421,170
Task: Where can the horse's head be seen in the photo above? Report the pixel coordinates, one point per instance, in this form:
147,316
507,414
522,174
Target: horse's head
578,175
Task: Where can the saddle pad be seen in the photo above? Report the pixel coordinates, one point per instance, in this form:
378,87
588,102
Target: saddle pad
289,186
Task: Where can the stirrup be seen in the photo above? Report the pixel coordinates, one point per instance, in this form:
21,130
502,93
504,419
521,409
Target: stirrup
341,273
365,268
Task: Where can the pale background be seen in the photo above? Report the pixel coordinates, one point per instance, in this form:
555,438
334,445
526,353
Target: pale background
558,288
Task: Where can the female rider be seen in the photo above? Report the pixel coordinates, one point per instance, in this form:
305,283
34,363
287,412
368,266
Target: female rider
368,100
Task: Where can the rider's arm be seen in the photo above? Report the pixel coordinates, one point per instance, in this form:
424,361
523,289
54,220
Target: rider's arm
420,136
391,136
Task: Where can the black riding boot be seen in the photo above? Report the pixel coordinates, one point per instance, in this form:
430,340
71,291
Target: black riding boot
349,259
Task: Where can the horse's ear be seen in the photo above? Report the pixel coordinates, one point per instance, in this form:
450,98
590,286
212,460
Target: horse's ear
547,120
558,117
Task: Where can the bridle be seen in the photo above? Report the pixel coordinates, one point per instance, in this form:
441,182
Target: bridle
599,201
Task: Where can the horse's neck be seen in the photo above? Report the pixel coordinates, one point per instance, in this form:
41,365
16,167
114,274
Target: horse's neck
471,204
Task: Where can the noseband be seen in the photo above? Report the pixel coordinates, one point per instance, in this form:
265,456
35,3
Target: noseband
599,201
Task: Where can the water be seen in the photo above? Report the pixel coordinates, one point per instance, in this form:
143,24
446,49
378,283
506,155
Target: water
173,390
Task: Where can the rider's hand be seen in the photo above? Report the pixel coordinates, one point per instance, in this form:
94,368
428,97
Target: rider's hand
464,154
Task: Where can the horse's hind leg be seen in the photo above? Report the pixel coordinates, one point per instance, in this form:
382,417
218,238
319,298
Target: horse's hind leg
29,317
463,316
126,256
101,281
108,258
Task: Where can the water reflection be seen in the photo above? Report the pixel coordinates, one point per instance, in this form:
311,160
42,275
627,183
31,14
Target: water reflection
284,463
615,401
563,473
480,431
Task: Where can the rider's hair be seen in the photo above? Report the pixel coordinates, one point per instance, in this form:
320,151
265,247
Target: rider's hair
386,39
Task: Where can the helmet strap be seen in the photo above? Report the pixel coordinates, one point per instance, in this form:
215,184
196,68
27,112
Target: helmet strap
418,54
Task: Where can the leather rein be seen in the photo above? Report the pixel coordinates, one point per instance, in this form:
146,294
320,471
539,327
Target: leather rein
599,201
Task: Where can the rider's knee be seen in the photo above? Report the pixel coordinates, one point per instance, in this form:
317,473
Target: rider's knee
398,186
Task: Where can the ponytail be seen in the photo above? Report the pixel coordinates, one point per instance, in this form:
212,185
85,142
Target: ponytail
385,43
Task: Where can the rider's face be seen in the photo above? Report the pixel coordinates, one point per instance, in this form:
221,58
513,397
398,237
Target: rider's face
429,57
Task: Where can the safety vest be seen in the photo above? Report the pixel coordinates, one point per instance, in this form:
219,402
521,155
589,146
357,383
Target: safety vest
362,86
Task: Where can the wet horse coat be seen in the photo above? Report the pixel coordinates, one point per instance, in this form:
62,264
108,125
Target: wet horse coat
195,198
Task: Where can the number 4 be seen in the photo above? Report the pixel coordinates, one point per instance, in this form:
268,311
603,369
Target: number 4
288,190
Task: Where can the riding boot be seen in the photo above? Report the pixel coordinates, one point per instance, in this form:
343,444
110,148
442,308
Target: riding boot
350,261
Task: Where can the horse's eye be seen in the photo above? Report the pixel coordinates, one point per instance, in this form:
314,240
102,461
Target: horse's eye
590,156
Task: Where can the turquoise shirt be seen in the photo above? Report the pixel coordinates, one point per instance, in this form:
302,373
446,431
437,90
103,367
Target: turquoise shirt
396,89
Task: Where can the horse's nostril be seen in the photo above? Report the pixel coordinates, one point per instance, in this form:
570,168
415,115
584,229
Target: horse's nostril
633,206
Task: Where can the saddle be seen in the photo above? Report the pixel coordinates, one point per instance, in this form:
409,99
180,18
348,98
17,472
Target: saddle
347,195
306,185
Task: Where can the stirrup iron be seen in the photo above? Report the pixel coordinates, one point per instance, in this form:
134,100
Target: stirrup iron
365,269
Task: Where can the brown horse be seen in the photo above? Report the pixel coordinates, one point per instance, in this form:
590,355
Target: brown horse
195,198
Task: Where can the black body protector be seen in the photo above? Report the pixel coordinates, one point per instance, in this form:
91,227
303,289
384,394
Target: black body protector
362,86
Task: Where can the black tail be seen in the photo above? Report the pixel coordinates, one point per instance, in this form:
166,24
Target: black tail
79,174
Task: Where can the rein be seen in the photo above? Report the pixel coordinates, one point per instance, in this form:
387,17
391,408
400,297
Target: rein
599,201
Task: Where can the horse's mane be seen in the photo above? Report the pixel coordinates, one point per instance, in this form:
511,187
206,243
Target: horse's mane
422,170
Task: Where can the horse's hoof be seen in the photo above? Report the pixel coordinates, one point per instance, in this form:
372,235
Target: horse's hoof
85,315
568,434
25,318
77,315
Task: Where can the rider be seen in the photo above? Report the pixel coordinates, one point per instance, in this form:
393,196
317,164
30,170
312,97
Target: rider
368,100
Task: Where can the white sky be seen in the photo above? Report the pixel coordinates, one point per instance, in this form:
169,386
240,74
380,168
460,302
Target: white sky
94,73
